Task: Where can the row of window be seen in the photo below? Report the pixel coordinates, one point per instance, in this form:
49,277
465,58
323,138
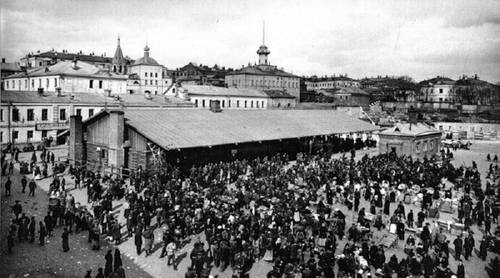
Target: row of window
258,104
30,114
269,83
333,84
11,84
425,144
151,74
29,134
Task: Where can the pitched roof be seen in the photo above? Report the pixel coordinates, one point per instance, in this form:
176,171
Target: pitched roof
66,68
406,129
329,78
207,90
262,70
70,56
352,91
438,80
13,67
189,128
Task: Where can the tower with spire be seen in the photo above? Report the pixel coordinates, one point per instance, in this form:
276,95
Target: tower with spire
263,51
119,63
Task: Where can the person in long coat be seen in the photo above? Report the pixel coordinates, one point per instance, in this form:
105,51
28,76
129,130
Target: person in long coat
65,240
31,229
483,249
387,205
108,267
118,260
138,242
115,228
100,274
43,233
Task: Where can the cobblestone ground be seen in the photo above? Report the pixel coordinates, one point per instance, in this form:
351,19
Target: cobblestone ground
50,259
31,260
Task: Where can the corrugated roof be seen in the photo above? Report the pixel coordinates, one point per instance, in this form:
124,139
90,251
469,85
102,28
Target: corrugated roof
417,129
188,128
66,68
206,90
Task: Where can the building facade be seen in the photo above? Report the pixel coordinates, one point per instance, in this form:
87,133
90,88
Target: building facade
438,89
264,76
146,76
315,83
416,140
68,77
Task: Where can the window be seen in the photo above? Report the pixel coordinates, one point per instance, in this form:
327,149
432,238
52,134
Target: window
15,115
257,104
145,74
156,82
151,74
440,91
91,112
245,104
1,115
55,82
15,134
26,84
100,84
47,83
44,134
223,103
32,83
1,136
29,134
417,147
203,103
79,112
45,114
262,104
30,114
431,145
39,83
195,103
62,114
91,84
156,74
237,104
229,103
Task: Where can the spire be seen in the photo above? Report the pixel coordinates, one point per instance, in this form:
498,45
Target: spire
264,32
118,41
118,58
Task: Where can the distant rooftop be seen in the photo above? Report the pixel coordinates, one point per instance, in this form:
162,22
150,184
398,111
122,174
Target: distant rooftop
262,70
407,129
53,55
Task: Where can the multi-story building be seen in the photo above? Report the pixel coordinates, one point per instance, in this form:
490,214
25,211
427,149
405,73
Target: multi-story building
7,69
47,58
147,76
232,98
29,117
315,83
200,75
264,76
438,89
473,91
68,77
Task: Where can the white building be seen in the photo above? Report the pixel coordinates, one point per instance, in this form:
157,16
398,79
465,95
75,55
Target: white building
146,76
438,89
28,117
69,77
232,98
315,83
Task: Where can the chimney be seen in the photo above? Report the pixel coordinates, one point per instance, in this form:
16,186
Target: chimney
75,61
58,92
40,91
475,76
3,60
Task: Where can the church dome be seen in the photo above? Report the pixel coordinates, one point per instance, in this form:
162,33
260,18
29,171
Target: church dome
146,60
263,50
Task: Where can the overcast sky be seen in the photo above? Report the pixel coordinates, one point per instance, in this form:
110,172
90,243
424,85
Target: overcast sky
421,38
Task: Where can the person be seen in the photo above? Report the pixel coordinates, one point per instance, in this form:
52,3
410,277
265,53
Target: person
65,240
17,208
108,266
8,184
119,272
468,246
409,218
31,229
10,241
11,167
460,270
24,183
458,242
483,249
171,247
88,274
138,242
32,187
100,274
118,259
43,233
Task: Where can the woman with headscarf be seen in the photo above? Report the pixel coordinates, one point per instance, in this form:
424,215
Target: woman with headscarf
108,267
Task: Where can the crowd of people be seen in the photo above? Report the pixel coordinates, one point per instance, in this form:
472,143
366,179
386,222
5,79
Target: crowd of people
290,214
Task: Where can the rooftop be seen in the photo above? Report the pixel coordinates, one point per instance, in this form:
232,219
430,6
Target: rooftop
68,68
207,90
92,98
189,128
278,94
407,129
53,55
262,70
